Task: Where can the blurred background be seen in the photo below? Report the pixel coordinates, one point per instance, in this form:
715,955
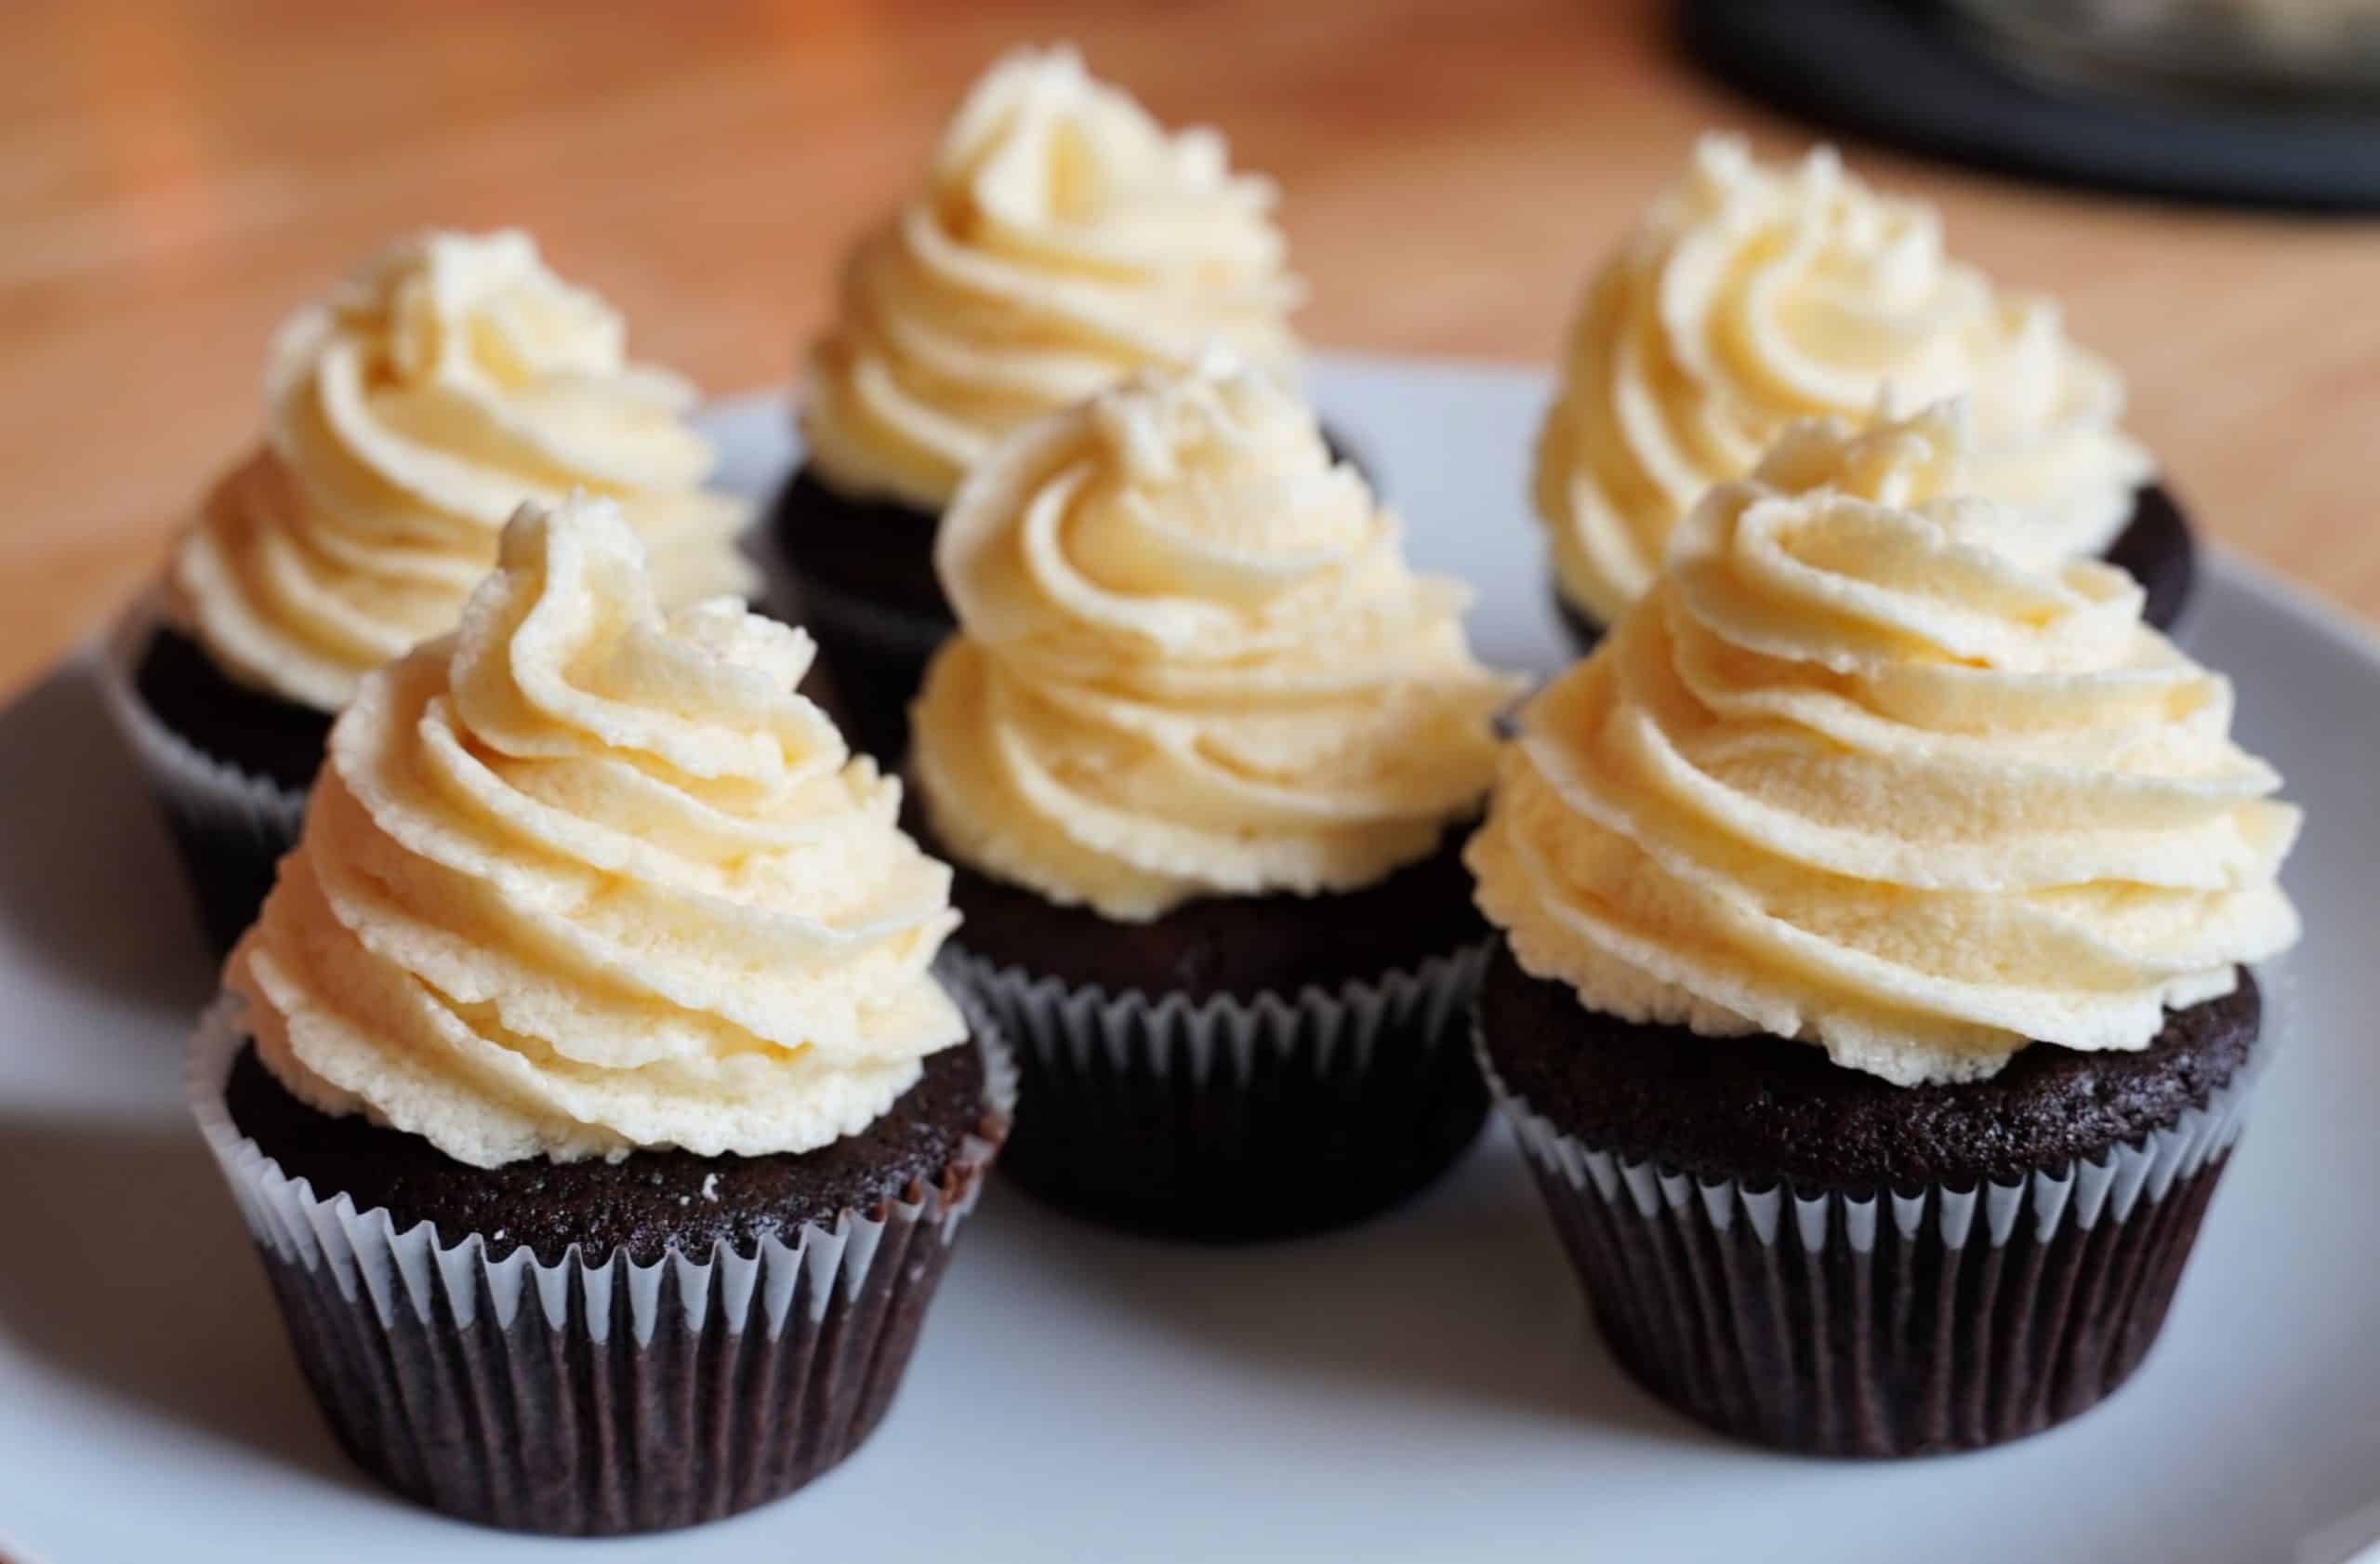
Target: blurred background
175,177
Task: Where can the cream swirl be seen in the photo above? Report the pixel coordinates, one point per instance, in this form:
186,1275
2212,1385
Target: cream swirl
1192,661
579,878
409,413
1751,297
1064,240
1851,774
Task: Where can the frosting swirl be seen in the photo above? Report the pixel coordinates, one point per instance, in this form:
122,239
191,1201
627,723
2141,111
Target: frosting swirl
579,878
408,412
1063,240
1192,661
1750,298
1852,774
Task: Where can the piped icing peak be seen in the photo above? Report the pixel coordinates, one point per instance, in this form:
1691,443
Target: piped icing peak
1750,298
1854,773
582,877
1064,240
408,412
1192,661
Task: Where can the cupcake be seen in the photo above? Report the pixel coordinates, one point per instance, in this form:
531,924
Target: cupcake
584,1081
1201,754
407,415
1750,298
1064,240
1874,1004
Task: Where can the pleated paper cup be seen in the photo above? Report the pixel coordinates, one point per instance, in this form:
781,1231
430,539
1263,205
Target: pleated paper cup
1229,1118
1897,1323
594,1396
229,827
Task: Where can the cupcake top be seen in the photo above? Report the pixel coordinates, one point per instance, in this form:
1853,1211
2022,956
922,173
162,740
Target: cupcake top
579,878
1749,297
1192,661
1850,774
408,414
1062,240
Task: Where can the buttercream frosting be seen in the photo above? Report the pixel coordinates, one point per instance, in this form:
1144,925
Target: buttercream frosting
408,412
1193,660
1853,773
1064,239
580,878
1751,297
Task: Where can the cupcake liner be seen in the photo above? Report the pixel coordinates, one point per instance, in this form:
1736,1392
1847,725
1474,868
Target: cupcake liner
876,657
1229,1118
593,1399
1902,1323
229,827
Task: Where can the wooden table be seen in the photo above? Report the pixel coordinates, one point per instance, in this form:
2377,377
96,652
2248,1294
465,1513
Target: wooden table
175,177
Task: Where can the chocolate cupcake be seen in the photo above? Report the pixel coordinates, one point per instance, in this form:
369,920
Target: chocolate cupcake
1873,1008
584,1081
1749,297
408,414
1062,240
1196,751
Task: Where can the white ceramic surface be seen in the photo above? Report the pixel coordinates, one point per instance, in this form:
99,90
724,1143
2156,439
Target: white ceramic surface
1424,1388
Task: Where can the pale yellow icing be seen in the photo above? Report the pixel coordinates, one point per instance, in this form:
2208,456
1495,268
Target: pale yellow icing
1752,297
1854,774
1192,661
1064,239
581,879
408,412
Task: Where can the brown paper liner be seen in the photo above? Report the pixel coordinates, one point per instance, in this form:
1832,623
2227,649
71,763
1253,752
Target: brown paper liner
1902,1324
595,1400
228,827
1231,1119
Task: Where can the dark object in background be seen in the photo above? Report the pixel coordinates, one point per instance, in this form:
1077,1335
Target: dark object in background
2282,49
1911,76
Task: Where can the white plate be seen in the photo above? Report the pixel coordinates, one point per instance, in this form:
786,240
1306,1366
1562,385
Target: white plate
1424,1388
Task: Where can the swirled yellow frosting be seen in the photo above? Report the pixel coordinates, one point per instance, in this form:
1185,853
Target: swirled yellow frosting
1750,298
1850,774
1193,660
581,879
1064,240
408,412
